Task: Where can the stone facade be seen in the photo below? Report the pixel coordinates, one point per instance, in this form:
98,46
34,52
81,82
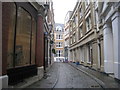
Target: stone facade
94,36
110,14
86,39
15,68
66,34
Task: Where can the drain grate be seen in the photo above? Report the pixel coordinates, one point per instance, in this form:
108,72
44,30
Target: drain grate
95,86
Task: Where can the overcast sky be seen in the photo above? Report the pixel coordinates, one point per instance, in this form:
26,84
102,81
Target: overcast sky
61,7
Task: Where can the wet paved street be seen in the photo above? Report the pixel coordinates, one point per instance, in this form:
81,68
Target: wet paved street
69,77
63,75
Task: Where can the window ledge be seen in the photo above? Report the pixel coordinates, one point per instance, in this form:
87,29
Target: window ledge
88,31
88,62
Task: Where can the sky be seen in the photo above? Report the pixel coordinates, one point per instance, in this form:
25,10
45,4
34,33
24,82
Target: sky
61,7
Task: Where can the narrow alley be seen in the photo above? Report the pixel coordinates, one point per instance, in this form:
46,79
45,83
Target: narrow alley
60,44
67,77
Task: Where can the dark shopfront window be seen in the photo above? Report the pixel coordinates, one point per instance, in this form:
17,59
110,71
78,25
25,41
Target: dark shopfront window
10,23
24,41
23,32
33,41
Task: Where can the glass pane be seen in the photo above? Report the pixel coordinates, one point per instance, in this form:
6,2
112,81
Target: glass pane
22,51
10,16
33,41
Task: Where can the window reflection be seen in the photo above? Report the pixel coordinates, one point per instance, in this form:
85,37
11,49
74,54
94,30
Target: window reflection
22,49
33,41
11,13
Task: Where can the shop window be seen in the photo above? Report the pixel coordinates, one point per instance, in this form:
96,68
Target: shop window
23,32
10,14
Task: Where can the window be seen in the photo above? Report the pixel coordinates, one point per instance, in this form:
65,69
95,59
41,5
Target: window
97,20
87,2
80,32
23,33
70,40
88,23
59,53
58,36
81,13
25,39
59,44
9,14
67,31
83,53
59,28
74,38
74,21
89,53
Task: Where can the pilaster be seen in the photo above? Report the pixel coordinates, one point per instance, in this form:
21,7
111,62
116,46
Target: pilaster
108,48
116,38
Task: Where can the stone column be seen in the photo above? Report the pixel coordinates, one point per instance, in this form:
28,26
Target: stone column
116,38
40,44
108,48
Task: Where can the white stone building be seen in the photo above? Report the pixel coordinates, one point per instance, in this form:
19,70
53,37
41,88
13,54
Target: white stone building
110,14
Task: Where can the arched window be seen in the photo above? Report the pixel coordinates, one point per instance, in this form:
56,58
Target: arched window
58,28
9,14
23,33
